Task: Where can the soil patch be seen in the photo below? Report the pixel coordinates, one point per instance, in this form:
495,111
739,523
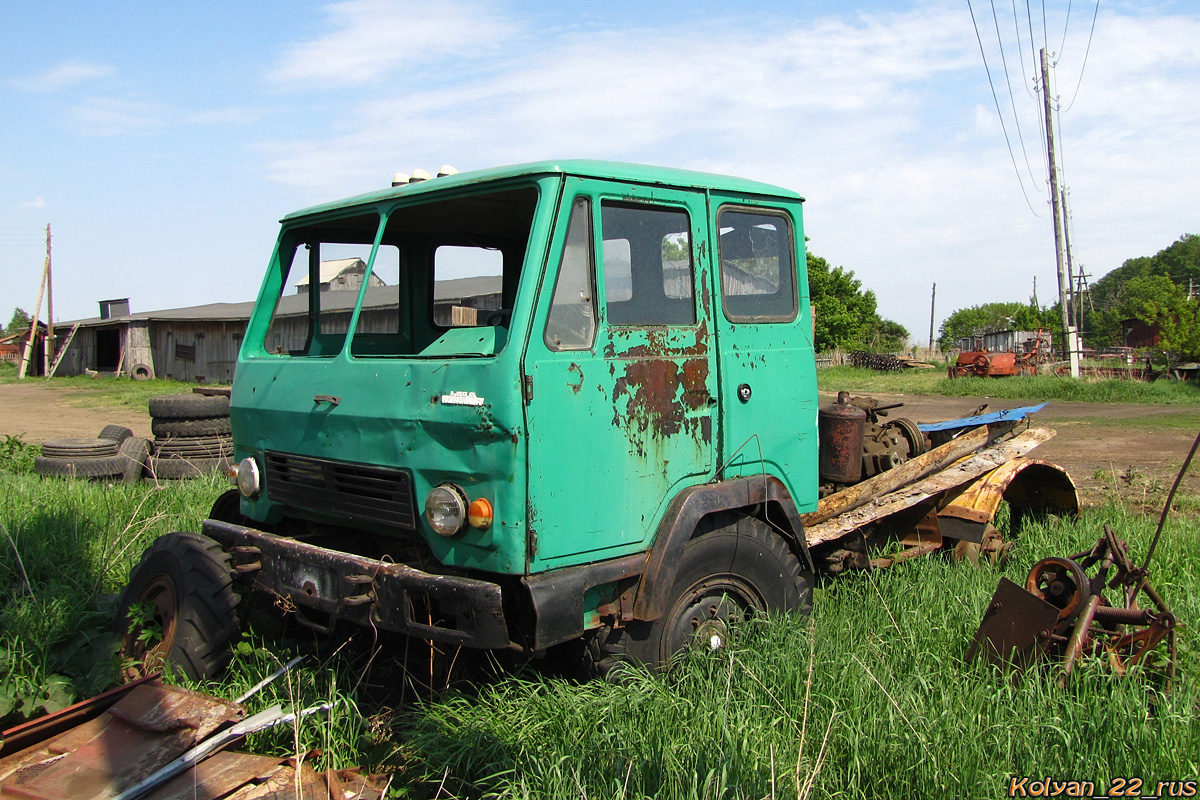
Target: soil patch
37,412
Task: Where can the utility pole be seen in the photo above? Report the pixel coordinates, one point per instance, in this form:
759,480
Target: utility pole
932,300
37,312
1064,282
49,345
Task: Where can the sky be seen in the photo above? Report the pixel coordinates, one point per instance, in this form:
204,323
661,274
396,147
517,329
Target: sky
162,142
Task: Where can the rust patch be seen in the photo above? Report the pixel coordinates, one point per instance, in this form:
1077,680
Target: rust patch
662,381
575,387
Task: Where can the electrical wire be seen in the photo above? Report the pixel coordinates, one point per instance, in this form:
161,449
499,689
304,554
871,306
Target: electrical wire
1021,48
1012,98
1062,47
1095,14
996,99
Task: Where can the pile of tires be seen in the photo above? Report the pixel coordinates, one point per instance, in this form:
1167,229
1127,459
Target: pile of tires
191,435
116,454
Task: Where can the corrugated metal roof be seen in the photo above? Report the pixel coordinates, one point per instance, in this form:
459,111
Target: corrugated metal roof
296,305
331,269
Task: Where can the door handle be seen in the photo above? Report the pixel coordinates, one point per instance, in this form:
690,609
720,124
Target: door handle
326,398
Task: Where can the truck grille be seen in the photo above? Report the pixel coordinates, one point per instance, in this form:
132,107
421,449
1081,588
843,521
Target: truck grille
357,492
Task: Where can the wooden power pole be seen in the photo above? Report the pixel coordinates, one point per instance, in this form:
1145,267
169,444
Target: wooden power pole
932,300
37,312
1070,339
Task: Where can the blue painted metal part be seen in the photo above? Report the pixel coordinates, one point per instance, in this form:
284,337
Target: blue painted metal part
981,419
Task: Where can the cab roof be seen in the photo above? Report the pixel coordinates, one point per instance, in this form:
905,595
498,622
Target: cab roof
584,168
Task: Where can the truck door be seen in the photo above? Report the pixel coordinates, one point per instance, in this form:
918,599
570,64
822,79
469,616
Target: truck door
768,389
619,374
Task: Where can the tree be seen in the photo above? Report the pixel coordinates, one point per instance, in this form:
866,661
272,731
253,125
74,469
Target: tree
1110,303
992,317
1157,300
845,313
20,321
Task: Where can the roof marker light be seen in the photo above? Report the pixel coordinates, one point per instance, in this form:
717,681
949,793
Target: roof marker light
419,174
400,178
445,170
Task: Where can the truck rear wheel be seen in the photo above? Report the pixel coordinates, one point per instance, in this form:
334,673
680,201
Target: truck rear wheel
179,607
734,568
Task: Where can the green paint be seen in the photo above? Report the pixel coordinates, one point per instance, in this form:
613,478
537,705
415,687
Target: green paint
583,410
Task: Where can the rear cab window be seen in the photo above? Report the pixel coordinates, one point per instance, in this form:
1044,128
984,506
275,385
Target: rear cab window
758,274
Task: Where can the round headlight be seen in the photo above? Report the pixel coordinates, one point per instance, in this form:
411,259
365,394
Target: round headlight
446,509
248,481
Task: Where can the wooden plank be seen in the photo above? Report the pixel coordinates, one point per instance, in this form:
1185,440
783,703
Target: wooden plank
911,470
907,496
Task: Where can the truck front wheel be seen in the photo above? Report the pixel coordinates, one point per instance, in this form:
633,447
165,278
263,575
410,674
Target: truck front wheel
179,607
733,568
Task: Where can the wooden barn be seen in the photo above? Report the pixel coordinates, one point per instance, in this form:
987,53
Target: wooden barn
201,343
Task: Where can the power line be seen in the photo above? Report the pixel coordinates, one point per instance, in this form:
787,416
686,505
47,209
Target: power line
1012,98
996,99
1095,14
1066,24
1020,50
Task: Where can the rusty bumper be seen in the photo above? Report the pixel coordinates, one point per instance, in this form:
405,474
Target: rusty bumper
365,591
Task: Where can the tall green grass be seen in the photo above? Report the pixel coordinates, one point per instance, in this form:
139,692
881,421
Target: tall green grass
891,709
1035,387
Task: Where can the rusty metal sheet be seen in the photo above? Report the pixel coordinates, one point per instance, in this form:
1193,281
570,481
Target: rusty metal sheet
957,474
218,776
30,733
1016,627
142,731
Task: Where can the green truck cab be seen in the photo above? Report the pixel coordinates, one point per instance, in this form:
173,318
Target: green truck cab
561,400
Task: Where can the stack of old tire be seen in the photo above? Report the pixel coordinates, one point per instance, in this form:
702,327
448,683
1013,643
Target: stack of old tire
116,454
191,435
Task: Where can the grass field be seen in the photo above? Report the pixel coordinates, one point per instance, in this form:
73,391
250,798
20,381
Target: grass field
867,697
1038,387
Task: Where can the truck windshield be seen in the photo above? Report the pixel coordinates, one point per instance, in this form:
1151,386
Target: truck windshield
442,282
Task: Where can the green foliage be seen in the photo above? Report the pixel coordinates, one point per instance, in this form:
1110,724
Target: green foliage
17,455
1127,292
991,317
66,547
845,313
20,321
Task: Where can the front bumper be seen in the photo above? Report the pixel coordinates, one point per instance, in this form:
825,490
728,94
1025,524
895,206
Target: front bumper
456,610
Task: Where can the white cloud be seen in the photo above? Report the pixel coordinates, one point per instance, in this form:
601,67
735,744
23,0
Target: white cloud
371,38
37,202
63,76
885,123
114,117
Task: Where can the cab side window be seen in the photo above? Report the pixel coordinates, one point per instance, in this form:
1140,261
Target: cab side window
758,275
647,265
571,323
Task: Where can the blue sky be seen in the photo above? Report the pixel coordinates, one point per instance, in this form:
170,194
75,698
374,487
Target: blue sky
163,141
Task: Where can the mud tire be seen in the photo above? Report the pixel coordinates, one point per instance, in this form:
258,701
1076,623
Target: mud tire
187,579
733,568
79,448
103,467
189,406
211,426
134,452
118,433
174,468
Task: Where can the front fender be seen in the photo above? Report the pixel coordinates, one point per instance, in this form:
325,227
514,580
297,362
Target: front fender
1030,486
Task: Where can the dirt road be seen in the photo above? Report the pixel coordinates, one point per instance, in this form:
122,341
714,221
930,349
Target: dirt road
37,411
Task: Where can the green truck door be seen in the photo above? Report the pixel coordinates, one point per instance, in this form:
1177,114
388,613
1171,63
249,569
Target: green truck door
764,331
621,382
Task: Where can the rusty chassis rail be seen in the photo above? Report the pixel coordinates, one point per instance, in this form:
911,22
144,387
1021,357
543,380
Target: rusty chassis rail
366,591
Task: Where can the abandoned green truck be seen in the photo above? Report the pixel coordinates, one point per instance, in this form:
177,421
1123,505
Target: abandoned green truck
618,447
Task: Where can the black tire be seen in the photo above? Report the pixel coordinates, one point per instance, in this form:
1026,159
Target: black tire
733,568
141,372
228,508
184,585
212,426
194,447
118,433
79,448
189,406
103,467
179,468
134,451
